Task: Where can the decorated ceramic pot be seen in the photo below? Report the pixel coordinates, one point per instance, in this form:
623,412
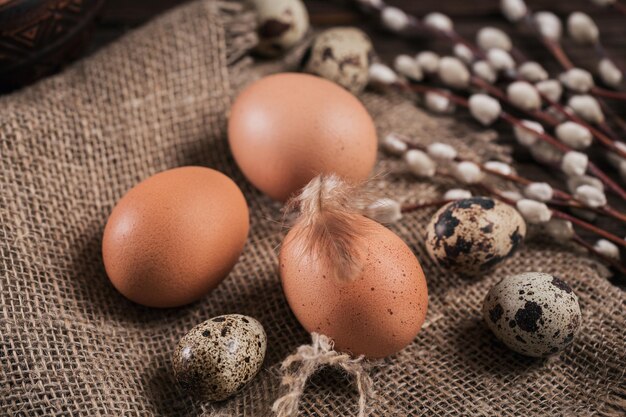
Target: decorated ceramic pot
38,36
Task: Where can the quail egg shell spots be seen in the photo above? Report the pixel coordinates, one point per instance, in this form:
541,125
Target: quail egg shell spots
341,55
282,24
474,234
533,313
219,356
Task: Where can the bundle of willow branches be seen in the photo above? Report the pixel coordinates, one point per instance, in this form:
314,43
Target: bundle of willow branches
560,119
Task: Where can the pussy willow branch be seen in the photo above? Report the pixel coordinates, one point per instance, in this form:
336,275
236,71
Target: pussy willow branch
576,239
568,199
559,54
607,138
561,57
555,213
416,27
547,119
461,101
564,216
454,37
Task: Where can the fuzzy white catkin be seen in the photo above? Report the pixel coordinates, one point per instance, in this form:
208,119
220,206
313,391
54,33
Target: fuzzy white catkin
549,25
545,153
587,107
483,70
420,164
552,89
457,194
384,210
574,135
408,66
607,248
438,103
582,28
500,167
540,191
428,61
500,59
393,145
574,163
453,72
468,172
484,108
610,74
532,71
524,95
490,37
513,10
463,53
381,73
576,181
577,79
526,137
441,151
559,229
394,19
532,211
511,195
590,196
438,21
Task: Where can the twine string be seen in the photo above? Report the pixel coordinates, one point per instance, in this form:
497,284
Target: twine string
300,366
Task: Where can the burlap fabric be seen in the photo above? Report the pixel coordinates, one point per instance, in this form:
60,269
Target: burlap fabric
72,145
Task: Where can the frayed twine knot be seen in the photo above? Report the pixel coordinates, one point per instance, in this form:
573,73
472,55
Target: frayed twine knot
299,367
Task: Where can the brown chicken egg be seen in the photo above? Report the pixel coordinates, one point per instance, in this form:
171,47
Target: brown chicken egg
174,237
285,129
348,277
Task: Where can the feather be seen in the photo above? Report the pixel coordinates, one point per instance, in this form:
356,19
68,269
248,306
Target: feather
331,224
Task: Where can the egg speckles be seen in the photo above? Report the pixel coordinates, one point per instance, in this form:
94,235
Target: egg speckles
474,234
533,313
341,55
282,24
218,357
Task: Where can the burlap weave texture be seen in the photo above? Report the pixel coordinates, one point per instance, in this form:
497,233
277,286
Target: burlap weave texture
70,345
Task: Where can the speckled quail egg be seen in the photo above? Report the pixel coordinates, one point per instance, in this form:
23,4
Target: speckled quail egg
533,313
341,55
218,357
474,234
281,25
